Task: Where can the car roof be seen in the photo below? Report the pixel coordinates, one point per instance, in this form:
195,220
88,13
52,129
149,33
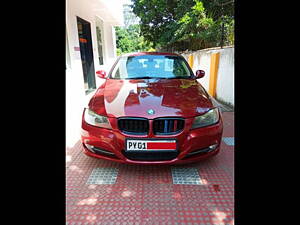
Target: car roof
150,53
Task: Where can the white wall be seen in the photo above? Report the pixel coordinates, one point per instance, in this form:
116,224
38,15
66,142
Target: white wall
225,80
225,77
201,62
89,10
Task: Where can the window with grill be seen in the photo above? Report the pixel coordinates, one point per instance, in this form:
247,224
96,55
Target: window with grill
99,25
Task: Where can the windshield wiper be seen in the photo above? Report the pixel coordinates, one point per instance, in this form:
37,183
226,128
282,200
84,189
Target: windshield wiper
146,77
179,77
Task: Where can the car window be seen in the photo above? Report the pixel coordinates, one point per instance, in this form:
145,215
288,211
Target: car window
151,66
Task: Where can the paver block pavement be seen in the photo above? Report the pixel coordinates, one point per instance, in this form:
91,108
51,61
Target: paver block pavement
147,195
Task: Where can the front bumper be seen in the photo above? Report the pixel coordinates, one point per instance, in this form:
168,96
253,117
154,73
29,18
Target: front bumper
192,144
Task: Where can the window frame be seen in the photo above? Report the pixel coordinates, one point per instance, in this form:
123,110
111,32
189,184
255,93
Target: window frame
100,24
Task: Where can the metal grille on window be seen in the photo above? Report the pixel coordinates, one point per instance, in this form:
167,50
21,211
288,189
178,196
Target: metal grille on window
99,40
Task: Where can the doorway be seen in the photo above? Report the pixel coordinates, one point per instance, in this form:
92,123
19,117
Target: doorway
86,52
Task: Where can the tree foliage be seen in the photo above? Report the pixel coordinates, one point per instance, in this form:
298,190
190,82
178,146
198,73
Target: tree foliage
185,24
130,40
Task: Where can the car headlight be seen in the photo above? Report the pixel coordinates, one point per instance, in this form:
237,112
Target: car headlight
94,119
209,118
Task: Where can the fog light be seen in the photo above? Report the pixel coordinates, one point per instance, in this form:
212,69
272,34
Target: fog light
90,147
212,147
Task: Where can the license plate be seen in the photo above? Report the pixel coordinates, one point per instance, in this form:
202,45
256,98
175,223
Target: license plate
150,145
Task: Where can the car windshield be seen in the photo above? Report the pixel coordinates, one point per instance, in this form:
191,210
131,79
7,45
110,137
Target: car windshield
151,66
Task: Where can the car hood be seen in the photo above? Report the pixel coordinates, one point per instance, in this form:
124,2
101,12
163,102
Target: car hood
166,97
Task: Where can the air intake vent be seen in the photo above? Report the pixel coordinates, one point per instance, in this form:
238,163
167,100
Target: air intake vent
133,125
168,126
151,155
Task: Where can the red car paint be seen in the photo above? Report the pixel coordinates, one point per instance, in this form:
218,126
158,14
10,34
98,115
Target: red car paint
184,98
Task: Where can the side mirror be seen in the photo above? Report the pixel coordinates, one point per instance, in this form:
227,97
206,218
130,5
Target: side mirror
200,74
101,74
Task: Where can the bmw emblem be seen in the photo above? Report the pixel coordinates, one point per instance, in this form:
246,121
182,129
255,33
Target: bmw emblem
150,112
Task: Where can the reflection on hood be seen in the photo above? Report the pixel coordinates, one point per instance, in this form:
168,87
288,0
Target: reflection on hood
167,97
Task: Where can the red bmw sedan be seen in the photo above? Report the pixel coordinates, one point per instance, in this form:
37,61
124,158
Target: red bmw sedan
151,110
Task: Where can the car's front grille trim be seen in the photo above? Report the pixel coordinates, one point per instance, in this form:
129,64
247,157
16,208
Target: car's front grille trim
132,125
161,126
168,126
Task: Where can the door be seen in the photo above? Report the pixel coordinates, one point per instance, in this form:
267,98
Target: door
86,52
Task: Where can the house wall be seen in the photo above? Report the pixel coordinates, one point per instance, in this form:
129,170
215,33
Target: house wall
90,10
225,75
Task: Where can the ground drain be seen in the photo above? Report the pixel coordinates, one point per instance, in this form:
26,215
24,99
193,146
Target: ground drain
185,176
228,140
103,176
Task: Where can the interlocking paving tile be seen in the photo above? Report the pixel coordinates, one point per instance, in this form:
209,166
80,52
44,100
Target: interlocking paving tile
103,176
228,140
185,176
144,194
